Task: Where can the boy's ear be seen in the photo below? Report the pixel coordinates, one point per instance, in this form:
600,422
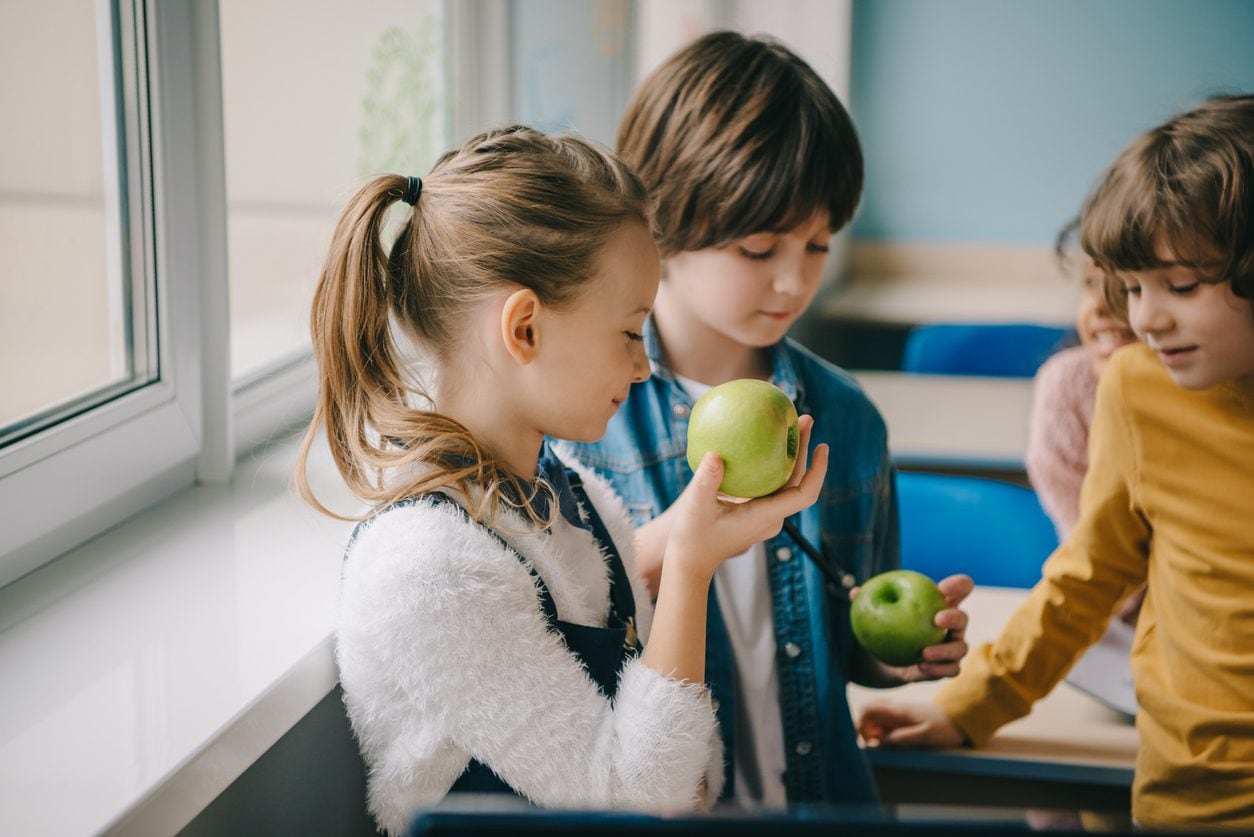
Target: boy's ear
520,331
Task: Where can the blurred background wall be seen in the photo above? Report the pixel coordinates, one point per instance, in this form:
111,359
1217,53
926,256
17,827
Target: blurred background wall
989,120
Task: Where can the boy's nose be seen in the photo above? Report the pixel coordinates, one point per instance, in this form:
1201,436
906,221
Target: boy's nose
790,280
1150,316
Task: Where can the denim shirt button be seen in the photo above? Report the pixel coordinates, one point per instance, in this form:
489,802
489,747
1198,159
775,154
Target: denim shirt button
803,748
783,554
792,649
680,411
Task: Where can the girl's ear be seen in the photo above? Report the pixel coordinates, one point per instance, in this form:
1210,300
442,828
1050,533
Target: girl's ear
520,325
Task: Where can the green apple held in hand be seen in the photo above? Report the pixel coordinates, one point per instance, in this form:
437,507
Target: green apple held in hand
893,616
752,425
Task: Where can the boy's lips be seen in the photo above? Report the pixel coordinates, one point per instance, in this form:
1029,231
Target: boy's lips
1176,355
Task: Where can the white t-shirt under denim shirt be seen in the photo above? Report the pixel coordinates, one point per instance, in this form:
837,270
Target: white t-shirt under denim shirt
744,597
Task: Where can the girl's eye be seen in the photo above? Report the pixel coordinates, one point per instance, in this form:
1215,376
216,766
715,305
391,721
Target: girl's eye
1183,290
757,255
631,335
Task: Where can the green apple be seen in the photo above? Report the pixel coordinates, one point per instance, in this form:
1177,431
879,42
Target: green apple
894,616
752,425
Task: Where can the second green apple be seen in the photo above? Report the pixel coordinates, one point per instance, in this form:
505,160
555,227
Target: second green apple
752,425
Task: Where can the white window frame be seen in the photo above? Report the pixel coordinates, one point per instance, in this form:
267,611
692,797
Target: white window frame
72,481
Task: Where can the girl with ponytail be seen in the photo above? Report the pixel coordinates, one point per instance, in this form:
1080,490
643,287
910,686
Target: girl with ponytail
494,633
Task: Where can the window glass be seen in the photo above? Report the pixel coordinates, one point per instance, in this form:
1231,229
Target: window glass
73,299
317,97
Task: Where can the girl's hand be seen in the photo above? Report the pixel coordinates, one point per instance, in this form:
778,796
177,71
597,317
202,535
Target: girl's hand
707,529
942,659
912,725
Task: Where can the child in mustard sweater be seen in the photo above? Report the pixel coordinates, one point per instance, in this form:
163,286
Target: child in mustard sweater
1166,500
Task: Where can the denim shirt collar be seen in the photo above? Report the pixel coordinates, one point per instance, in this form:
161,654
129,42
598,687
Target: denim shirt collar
783,369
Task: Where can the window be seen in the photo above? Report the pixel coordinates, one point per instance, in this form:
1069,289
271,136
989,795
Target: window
76,297
127,370
314,104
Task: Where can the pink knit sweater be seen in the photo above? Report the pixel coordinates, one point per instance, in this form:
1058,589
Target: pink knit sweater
1063,396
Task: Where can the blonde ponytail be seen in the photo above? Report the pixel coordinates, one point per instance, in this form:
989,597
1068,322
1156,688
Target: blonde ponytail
513,206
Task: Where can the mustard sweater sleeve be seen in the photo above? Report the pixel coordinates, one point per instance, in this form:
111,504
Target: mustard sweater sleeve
1101,562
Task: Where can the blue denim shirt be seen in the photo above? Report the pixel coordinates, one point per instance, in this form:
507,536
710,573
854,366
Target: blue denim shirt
644,455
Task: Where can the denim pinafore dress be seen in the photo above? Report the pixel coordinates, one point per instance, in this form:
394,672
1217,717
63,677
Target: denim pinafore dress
602,651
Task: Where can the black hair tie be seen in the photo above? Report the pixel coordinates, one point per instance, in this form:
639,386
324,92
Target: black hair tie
412,189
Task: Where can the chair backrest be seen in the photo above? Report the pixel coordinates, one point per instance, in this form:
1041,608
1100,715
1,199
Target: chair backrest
1006,350
993,531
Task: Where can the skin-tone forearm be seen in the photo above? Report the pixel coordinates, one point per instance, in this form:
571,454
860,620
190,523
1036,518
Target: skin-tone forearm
704,531
651,541
676,645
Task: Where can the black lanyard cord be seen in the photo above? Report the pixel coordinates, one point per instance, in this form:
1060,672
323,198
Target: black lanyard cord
836,574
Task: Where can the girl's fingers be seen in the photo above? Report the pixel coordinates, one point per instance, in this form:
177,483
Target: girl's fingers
804,426
709,473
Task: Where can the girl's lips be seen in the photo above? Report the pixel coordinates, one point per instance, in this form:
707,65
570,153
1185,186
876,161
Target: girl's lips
777,315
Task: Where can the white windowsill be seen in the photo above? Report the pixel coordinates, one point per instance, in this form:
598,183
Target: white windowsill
145,670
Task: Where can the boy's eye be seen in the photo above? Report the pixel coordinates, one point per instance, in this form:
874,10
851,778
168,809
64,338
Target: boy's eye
1182,290
756,255
817,248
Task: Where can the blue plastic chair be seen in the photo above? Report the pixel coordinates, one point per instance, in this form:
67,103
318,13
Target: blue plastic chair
1005,350
993,531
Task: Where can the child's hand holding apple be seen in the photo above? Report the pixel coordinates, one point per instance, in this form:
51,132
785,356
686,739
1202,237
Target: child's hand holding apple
706,529
911,624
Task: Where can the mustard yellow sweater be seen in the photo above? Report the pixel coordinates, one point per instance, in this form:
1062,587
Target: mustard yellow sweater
1169,498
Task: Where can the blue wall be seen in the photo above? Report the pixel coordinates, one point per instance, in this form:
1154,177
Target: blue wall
989,120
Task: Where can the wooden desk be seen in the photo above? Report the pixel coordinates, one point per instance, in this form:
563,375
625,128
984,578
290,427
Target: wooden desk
970,298
1070,752
953,422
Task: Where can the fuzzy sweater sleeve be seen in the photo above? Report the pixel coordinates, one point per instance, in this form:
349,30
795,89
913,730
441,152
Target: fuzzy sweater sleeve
1063,395
445,655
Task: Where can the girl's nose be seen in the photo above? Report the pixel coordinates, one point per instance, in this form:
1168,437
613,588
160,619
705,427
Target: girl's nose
1100,306
640,365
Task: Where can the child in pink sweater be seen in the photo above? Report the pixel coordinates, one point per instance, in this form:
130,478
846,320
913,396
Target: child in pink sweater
1064,392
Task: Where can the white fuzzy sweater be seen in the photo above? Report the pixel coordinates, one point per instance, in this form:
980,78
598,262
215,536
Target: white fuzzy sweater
445,655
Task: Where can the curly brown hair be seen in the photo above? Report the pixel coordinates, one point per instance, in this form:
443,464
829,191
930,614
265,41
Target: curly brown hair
1188,186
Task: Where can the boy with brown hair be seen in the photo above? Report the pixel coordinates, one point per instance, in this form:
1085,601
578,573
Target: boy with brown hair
752,164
